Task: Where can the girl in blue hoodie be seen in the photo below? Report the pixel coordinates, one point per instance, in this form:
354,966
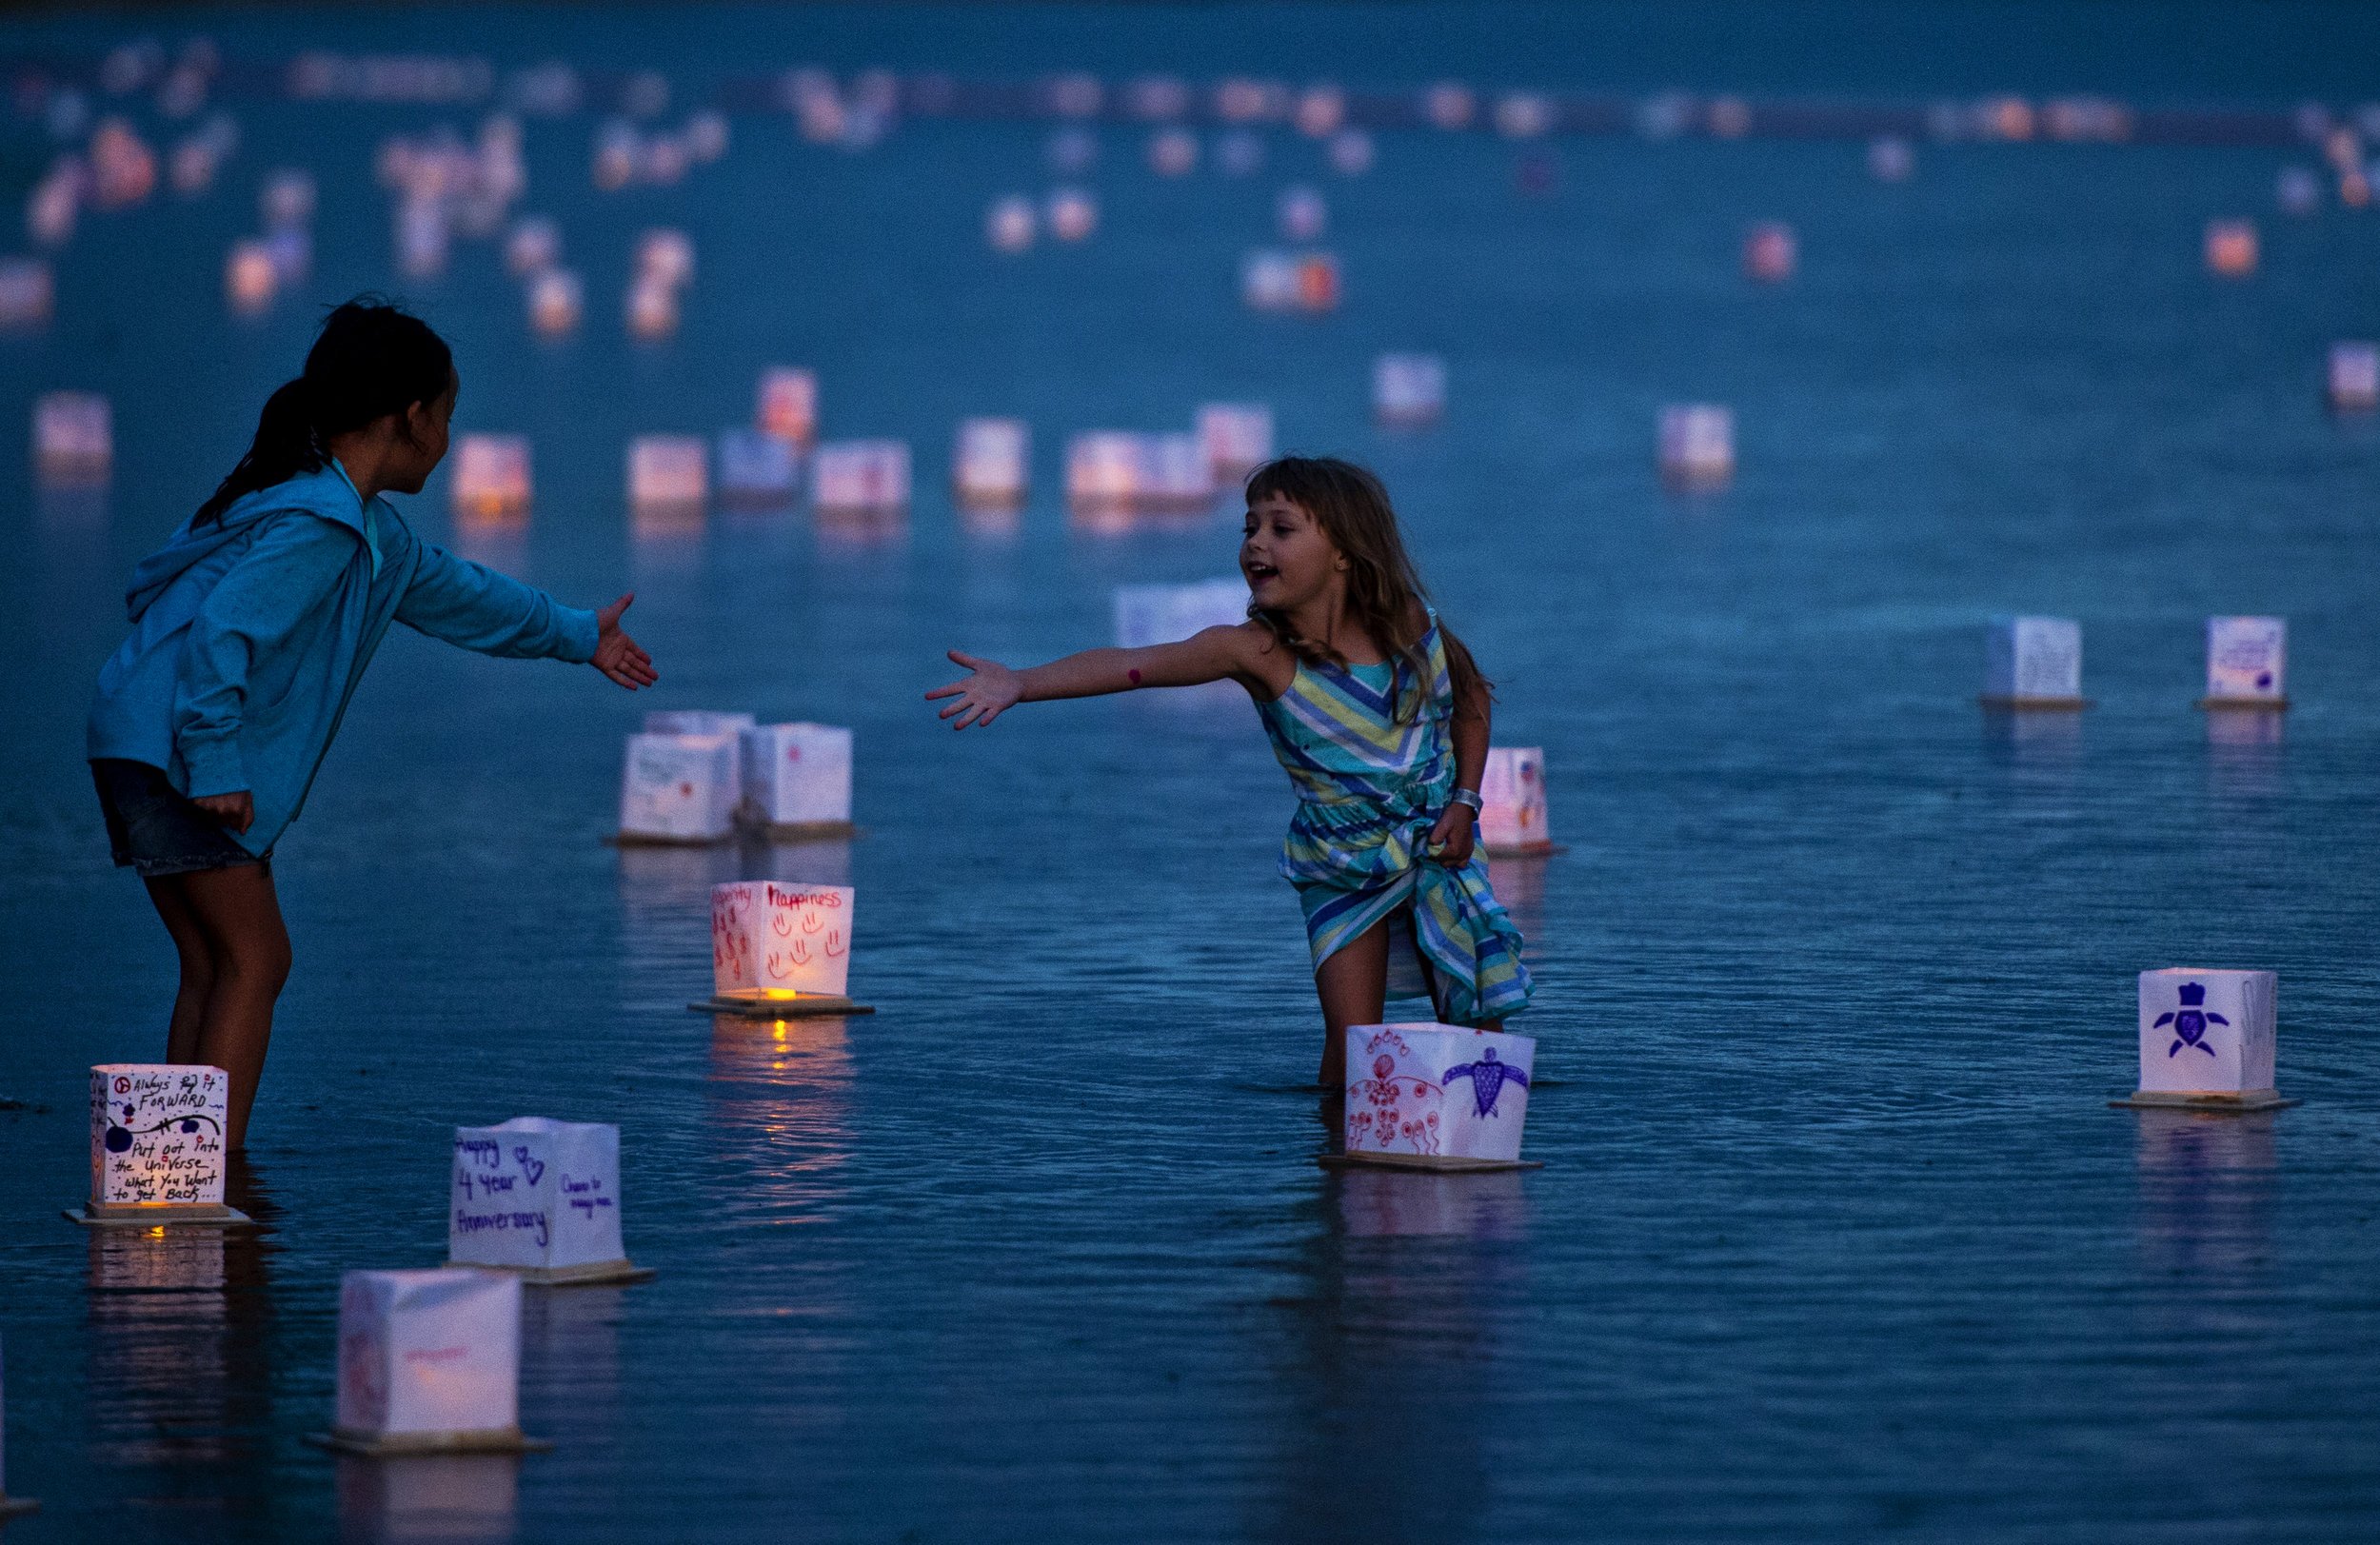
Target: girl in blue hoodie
251,629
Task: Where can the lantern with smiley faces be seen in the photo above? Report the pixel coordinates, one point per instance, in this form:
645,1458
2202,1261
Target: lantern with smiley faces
780,948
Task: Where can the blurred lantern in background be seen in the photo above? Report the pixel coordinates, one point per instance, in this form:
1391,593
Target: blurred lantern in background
786,404
1073,214
1173,153
1408,390
2232,247
556,299
1300,213
249,277
491,478
1771,253
1891,160
1008,225
1449,105
2354,377
1351,152
2297,190
1698,445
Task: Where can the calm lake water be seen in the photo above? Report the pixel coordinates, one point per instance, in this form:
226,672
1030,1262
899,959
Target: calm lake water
1836,1235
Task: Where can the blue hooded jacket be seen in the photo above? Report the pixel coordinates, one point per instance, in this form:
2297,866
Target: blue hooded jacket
251,633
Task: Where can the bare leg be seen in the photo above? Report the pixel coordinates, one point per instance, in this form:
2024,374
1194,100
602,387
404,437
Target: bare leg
1354,987
198,967
240,916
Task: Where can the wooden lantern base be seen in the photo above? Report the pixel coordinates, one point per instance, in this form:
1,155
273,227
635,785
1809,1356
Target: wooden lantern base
2270,706
16,1507
639,838
2247,1103
100,1215
1437,1163
2016,704
808,1006
802,831
1523,850
408,1445
591,1273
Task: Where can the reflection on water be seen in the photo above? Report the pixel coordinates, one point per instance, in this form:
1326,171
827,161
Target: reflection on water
1519,883
501,542
2207,1184
449,1499
860,531
780,1097
991,519
2037,737
570,1360
1393,1358
177,1350
797,864
2244,754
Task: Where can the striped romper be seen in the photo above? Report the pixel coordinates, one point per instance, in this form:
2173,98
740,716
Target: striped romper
1369,789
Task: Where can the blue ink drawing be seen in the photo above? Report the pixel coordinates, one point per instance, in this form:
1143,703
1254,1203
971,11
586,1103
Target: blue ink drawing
1487,1077
2190,1021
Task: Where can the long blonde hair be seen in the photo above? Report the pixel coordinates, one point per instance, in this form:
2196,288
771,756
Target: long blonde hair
1385,596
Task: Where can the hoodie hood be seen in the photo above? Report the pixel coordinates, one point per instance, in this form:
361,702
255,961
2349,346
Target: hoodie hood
326,493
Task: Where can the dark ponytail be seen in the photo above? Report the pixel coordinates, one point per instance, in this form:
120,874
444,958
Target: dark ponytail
372,360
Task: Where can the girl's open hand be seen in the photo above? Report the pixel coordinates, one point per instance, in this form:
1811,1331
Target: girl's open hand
1450,840
616,654
237,811
983,696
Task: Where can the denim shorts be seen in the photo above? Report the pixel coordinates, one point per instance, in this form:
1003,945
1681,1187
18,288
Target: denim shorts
156,831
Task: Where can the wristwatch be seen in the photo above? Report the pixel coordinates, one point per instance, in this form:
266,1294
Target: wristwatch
1466,796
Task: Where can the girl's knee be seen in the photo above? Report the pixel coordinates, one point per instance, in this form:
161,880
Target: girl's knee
255,963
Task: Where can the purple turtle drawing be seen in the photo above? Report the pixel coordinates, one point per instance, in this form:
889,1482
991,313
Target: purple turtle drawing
1487,1077
2190,1021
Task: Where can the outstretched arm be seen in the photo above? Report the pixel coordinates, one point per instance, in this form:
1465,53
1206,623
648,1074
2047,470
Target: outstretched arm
1212,655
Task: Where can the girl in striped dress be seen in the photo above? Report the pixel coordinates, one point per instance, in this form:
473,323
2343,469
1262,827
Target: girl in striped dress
1382,719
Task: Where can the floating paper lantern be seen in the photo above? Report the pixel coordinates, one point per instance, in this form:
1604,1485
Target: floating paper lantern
1268,280
1300,213
1073,214
429,1363
652,309
1173,153
1523,116
1156,98
534,246
156,1145
1408,390
1512,795
73,439
667,255
1891,160
250,278
422,238
291,252
990,464
705,136
1433,1096
1770,252
286,198
1239,100
2247,660
1073,95
541,1198
2206,1040
491,477
2232,247
668,470
696,722
1073,151
2354,377
555,303
1238,154
1449,105
1238,438
1730,118
52,205
2033,663
1318,282
1107,472
679,788
1351,152
770,940
1320,110
788,405
26,292
1008,225
756,470
1182,478
1149,614
2297,190
1697,445
861,477
124,168
796,779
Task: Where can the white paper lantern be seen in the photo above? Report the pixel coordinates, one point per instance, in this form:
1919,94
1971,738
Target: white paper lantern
1008,225
73,439
1148,614
1238,438
556,299
2207,1038
1268,280
2297,190
1449,105
1512,793
1181,480
156,1144
756,469
540,1198
1107,471
250,278
1074,213
679,788
286,198
1408,390
668,470
422,236
798,777
2033,663
772,939
26,292
1173,153
696,722
2247,663
491,477
2232,248
2354,377
990,464
652,309
534,246
787,405
430,1361
861,477
1697,445
1432,1096
1771,253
